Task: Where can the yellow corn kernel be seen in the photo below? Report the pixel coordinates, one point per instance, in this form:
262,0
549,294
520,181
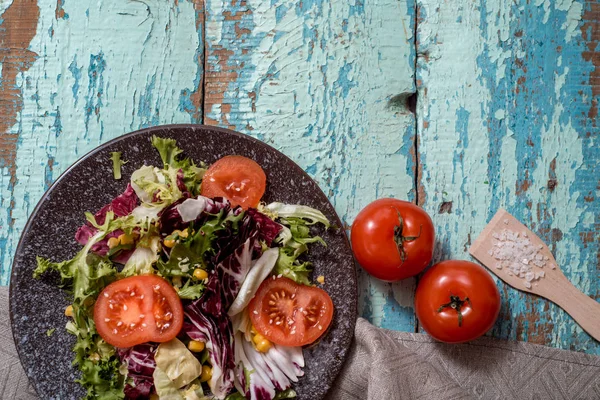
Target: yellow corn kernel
321,279
169,243
200,274
196,346
69,311
94,357
258,338
113,242
176,232
206,373
263,346
125,239
183,233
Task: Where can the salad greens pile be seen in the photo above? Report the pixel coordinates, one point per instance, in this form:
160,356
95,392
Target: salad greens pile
214,255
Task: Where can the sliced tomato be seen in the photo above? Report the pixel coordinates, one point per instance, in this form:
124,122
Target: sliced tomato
138,309
239,179
290,314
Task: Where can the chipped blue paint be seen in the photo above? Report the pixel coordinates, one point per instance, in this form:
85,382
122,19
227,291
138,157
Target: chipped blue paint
519,77
95,87
314,79
76,73
145,110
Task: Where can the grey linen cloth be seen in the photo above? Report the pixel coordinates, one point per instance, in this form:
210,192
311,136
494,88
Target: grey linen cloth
387,365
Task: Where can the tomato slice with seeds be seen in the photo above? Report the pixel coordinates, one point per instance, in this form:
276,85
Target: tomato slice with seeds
239,179
290,314
138,309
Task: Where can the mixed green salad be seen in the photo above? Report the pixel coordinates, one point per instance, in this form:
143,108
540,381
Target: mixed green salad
188,287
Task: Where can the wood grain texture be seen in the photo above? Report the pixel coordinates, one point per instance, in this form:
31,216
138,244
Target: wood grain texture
506,116
78,75
327,84
508,97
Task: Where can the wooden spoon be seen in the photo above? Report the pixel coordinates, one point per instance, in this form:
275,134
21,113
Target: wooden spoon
554,286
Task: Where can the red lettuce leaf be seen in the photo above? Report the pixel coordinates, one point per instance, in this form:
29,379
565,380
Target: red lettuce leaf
121,206
140,367
267,228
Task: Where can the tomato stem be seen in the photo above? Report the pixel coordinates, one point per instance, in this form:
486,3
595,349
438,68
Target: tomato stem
456,303
400,239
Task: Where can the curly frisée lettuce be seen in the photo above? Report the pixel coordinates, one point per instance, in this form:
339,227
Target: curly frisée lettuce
214,256
294,239
86,275
170,155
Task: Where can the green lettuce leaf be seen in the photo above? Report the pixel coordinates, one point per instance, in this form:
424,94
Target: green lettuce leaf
177,362
288,265
286,394
309,214
143,257
235,396
170,155
115,156
191,290
85,275
165,388
295,238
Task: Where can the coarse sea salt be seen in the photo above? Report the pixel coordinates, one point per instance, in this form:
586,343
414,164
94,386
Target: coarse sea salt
517,256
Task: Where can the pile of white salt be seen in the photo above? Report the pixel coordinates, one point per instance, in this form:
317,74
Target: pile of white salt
517,255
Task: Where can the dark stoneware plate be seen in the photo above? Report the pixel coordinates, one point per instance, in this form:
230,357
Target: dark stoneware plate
37,306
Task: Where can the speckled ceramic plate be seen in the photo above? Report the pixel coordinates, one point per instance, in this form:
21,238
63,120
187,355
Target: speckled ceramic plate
37,306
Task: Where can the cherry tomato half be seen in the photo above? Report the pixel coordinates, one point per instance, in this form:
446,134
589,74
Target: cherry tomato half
457,301
138,309
393,239
290,314
239,179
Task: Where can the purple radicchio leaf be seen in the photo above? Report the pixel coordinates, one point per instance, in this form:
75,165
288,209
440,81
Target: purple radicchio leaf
121,205
267,228
181,184
216,332
171,219
206,319
140,367
233,270
230,239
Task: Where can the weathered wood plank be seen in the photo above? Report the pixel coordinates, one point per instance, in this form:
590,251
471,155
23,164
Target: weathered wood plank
76,74
326,83
507,116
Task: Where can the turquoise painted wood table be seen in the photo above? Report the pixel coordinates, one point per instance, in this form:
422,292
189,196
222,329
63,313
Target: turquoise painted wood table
460,106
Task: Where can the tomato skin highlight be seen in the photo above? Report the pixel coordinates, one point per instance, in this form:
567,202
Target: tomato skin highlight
374,244
137,310
465,280
238,179
290,314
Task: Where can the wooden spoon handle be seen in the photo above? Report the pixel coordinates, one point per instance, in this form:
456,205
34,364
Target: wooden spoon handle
583,309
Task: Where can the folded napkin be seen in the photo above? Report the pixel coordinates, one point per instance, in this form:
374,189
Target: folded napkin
386,365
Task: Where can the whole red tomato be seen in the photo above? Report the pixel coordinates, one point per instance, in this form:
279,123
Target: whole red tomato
457,301
393,239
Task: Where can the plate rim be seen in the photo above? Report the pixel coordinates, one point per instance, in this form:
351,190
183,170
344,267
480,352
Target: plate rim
147,130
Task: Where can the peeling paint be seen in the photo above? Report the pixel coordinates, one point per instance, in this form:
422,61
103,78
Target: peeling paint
508,95
528,94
